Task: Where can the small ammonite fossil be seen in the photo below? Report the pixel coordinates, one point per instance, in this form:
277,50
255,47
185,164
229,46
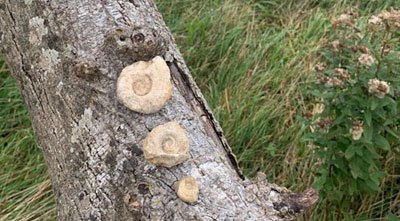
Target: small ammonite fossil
145,87
187,189
166,145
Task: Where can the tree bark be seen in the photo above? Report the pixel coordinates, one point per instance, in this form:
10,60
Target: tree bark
66,56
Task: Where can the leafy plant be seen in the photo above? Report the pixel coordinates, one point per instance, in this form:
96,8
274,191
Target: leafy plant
355,120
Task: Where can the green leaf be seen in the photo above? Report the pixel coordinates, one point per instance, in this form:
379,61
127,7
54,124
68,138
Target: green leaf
347,111
391,105
347,216
372,151
392,217
372,185
359,151
368,158
382,142
320,182
388,121
368,117
388,101
355,169
325,95
380,174
339,163
352,186
350,151
271,149
374,103
374,178
368,131
393,133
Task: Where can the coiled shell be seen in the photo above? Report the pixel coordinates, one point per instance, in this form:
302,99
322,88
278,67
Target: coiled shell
166,145
145,87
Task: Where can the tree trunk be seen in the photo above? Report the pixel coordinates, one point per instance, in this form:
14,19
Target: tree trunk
66,56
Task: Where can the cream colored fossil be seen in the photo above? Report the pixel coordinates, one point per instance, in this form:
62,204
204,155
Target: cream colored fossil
166,145
187,189
145,87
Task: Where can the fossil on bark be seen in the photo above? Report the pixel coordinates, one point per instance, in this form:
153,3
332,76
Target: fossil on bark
66,56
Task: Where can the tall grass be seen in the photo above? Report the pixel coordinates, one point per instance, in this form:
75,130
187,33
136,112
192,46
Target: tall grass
25,188
250,59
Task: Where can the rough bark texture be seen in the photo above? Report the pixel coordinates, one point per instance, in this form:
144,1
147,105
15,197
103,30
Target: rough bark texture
66,56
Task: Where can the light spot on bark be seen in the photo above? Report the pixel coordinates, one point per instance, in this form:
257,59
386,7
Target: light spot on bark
250,192
28,2
103,179
85,123
59,88
215,169
274,196
51,55
49,59
37,30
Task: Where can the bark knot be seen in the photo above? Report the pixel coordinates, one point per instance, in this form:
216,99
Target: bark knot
86,70
141,43
293,204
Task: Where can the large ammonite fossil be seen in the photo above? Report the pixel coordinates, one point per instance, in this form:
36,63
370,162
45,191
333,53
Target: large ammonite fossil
145,87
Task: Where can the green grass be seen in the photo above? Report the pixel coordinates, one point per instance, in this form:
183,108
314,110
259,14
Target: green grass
25,188
250,58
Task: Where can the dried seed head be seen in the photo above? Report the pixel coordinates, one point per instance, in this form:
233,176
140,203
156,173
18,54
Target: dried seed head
322,79
392,17
385,15
343,19
320,67
324,124
378,88
387,49
357,129
336,45
349,17
308,114
343,74
397,23
166,145
364,50
145,87
375,20
187,189
335,82
366,59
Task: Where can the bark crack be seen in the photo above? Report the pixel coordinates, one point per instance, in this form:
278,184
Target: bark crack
77,208
13,33
175,69
126,19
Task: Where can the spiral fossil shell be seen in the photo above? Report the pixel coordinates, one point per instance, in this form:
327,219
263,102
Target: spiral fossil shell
166,145
145,87
187,189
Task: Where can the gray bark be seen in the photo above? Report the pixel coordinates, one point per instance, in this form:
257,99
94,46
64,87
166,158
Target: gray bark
66,56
